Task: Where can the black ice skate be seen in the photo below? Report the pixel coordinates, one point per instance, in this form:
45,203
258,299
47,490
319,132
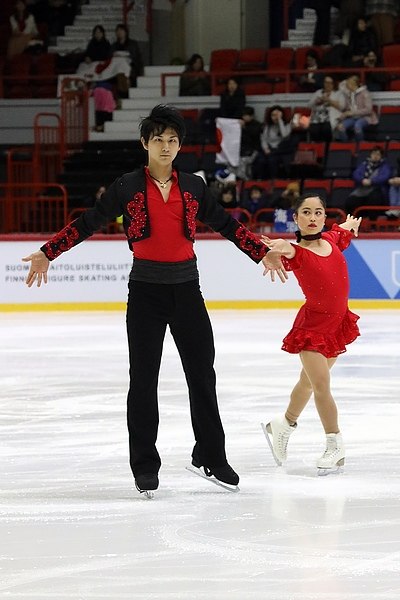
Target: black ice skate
146,484
223,476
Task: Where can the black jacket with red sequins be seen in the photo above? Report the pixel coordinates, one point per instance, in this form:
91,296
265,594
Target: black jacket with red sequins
127,196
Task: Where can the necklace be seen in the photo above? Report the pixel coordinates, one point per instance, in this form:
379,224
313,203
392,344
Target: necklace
308,238
163,184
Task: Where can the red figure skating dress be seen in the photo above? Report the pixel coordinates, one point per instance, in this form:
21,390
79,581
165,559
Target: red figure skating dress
324,323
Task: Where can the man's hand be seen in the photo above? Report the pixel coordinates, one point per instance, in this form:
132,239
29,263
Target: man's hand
39,267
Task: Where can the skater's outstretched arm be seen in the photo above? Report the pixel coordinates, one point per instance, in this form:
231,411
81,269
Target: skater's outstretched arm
279,246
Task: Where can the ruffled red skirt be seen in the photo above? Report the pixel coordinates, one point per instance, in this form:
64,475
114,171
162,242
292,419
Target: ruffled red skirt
328,334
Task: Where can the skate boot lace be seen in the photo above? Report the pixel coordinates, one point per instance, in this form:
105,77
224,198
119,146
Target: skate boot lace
331,448
283,440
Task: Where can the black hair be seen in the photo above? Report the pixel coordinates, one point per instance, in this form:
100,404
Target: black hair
233,78
193,59
162,117
313,55
300,201
269,111
378,148
123,27
100,28
229,188
248,110
354,76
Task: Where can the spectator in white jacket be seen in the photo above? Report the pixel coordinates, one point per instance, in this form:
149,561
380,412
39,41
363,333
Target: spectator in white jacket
358,112
327,105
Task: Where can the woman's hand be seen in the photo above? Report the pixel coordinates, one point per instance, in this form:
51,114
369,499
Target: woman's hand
352,224
273,264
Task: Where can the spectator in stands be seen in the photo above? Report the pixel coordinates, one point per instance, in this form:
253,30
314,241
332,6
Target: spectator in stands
195,81
254,200
98,48
362,40
311,81
104,103
99,63
358,112
232,100
283,214
24,31
250,145
124,46
337,56
326,105
374,80
394,193
91,199
371,178
349,12
383,15
277,146
227,196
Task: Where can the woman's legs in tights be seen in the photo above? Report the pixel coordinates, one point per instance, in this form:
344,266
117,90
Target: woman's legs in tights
314,378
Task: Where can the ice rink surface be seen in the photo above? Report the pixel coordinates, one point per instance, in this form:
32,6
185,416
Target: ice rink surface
74,528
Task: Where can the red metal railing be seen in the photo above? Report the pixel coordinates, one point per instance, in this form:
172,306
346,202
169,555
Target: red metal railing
48,130
32,201
32,207
375,219
43,161
127,6
22,166
74,112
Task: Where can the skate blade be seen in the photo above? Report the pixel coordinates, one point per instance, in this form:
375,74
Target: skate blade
267,430
337,469
212,479
149,494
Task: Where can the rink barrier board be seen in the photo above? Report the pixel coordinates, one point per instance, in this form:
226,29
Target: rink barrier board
95,276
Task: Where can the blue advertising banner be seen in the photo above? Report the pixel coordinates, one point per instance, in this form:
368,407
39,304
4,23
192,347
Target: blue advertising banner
374,268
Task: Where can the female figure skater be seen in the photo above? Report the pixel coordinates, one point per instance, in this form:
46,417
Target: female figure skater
322,327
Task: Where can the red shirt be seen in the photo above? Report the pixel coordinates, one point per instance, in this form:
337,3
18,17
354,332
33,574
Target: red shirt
167,242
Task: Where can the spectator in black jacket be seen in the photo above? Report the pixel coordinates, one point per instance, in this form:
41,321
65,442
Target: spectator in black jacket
362,41
98,48
232,100
250,144
195,81
125,46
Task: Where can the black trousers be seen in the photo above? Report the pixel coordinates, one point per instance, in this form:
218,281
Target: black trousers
320,132
151,308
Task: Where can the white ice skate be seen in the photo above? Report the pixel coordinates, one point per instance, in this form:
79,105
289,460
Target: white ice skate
277,433
332,460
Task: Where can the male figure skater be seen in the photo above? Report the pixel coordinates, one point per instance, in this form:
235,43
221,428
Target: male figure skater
160,207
